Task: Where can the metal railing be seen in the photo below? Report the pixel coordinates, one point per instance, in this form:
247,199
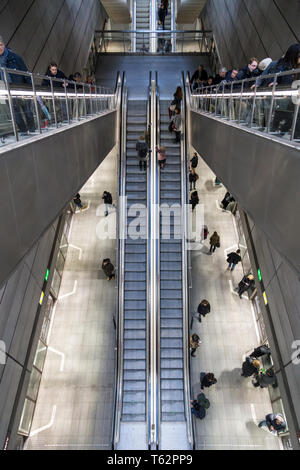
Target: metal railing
121,234
186,273
168,41
267,104
31,104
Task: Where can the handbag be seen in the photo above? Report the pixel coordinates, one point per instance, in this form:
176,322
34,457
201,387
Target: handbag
218,245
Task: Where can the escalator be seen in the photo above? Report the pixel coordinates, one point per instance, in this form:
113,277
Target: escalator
142,23
134,385
171,338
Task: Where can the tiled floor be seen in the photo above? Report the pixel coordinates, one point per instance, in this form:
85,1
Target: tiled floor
75,403
227,333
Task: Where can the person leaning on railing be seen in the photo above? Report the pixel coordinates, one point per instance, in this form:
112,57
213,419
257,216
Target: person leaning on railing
10,60
60,105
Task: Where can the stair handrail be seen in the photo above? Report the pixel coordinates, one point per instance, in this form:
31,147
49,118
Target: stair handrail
121,236
186,263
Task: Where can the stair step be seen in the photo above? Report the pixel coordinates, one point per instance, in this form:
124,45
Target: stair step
134,375
169,343
173,407
175,353
134,408
170,303
131,386
135,295
171,364
166,313
171,374
175,384
170,395
175,333
131,324
173,417
135,354
134,418
134,364
138,397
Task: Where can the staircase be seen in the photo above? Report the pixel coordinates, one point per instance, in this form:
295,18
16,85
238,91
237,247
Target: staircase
142,22
171,304
134,380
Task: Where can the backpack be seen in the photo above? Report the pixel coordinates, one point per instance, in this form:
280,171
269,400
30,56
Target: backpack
194,162
143,150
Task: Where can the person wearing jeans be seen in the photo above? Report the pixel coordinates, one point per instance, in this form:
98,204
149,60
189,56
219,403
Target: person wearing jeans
233,259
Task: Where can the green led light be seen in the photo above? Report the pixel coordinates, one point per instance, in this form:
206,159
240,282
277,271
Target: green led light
47,275
259,275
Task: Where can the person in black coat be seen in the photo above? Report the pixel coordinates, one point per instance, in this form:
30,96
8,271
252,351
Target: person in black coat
54,72
194,161
194,199
22,108
108,269
261,351
250,366
264,380
233,259
107,197
246,283
199,77
207,380
250,71
203,309
162,15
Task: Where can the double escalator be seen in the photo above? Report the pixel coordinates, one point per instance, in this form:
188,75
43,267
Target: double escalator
152,381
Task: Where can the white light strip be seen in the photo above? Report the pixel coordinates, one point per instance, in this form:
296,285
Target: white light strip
250,94
49,94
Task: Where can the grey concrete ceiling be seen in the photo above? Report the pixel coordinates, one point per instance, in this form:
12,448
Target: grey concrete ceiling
117,10
189,10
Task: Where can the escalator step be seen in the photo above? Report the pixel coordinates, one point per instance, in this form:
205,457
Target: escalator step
135,286
132,324
134,375
171,333
171,322
135,276
135,397
134,408
171,374
135,354
171,353
135,334
171,364
169,303
133,364
135,295
131,386
171,294
135,418
171,384
169,395
173,417
169,343
166,313
173,407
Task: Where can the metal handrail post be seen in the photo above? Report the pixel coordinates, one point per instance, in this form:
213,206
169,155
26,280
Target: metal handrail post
35,104
84,98
272,104
76,100
67,101
91,100
295,118
254,103
53,102
241,97
11,106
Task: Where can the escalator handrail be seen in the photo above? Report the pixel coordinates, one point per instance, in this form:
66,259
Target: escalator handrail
148,308
121,225
186,265
157,144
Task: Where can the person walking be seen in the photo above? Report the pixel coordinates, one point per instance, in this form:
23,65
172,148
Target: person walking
194,344
109,269
214,242
194,161
193,178
194,200
207,380
275,423
162,15
204,233
233,259
203,309
250,366
107,197
162,158
245,284
78,203
142,152
199,406
21,107
265,379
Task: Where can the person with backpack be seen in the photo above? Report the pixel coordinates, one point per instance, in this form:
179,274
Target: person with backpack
78,203
203,309
250,366
107,197
233,259
261,351
214,242
265,378
199,406
142,152
109,269
194,161
274,423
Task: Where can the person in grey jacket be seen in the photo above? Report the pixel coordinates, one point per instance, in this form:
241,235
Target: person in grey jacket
142,152
177,124
263,380
274,422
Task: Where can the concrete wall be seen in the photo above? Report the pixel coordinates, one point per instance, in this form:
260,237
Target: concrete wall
38,179
261,172
58,30
260,28
19,301
282,286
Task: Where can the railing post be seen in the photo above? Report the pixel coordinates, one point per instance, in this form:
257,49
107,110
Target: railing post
295,118
67,101
53,102
11,106
91,100
272,103
241,97
77,105
84,98
254,103
35,103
